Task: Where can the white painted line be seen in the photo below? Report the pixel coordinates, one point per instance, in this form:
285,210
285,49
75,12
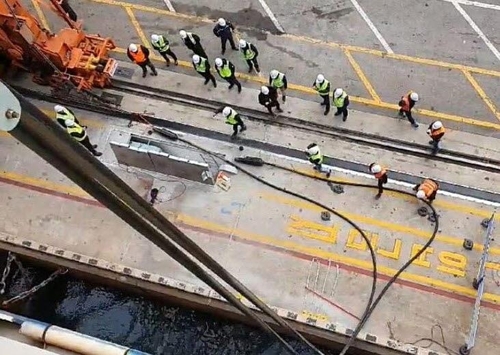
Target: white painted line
169,5
271,16
480,33
475,3
372,27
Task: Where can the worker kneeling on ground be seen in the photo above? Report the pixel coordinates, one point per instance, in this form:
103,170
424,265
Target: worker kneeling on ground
316,157
78,133
232,118
341,101
381,175
427,190
140,56
436,132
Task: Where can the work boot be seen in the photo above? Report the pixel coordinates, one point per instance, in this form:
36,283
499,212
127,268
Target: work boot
97,154
154,73
176,62
168,63
415,125
239,89
231,86
233,136
344,119
280,110
206,81
431,142
144,74
337,113
326,112
284,99
377,196
250,69
322,104
328,174
95,146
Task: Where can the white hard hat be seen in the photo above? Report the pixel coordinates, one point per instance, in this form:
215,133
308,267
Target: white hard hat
313,150
375,169
132,47
320,78
69,123
243,43
221,22
274,74
196,59
337,93
155,38
264,90
183,33
59,108
226,111
437,125
414,96
218,62
421,194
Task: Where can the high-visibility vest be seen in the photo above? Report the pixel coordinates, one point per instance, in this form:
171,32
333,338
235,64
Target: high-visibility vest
406,102
323,88
248,54
77,129
66,115
316,158
278,82
225,71
437,132
339,101
201,66
162,45
381,174
428,187
139,56
231,119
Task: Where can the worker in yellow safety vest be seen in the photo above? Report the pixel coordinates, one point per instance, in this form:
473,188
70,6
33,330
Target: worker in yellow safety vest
250,54
80,135
316,157
63,114
278,80
322,86
162,45
232,118
202,67
341,101
427,190
226,71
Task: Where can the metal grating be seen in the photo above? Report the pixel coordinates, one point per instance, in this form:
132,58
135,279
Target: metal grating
124,72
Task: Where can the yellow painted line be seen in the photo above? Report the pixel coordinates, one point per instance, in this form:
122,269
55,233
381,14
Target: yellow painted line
361,75
455,241
482,94
40,14
285,244
137,27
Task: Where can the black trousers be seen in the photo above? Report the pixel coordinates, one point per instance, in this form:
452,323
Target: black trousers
223,41
208,77
200,51
408,116
144,67
380,184
272,104
232,82
342,111
253,63
86,143
239,123
435,145
170,53
326,103
69,10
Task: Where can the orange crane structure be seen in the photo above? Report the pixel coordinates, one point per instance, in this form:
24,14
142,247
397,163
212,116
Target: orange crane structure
54,59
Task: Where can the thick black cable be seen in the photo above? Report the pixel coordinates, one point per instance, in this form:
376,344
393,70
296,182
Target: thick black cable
50,144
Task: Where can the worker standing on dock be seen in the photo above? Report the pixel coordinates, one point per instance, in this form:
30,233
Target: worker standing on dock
405,106
268,97
250,54
322,86
162,45
278,81
381,176
140,56
80,135
316,158
436,131
202,66
226,71
233,118
193,43
427,190
224,30
341,101
63,114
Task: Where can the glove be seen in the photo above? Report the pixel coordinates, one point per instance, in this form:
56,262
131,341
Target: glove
429,132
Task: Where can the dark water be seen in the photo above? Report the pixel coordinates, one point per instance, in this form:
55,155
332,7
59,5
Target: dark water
133,321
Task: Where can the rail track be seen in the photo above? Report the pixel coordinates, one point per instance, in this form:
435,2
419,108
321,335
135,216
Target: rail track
98,105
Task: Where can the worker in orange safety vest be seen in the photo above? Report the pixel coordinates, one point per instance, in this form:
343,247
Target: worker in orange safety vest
427,190
380,174
140,56
405,106
436,131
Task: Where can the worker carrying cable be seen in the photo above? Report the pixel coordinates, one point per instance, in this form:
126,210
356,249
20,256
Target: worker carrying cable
278,80
226,71
316,158
224,30
63,114
162,45
268,97
140,55
322,86
380,174
436,131
80,135
193,43
341,101
233,118
202,66
427,190
405,106
250,54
